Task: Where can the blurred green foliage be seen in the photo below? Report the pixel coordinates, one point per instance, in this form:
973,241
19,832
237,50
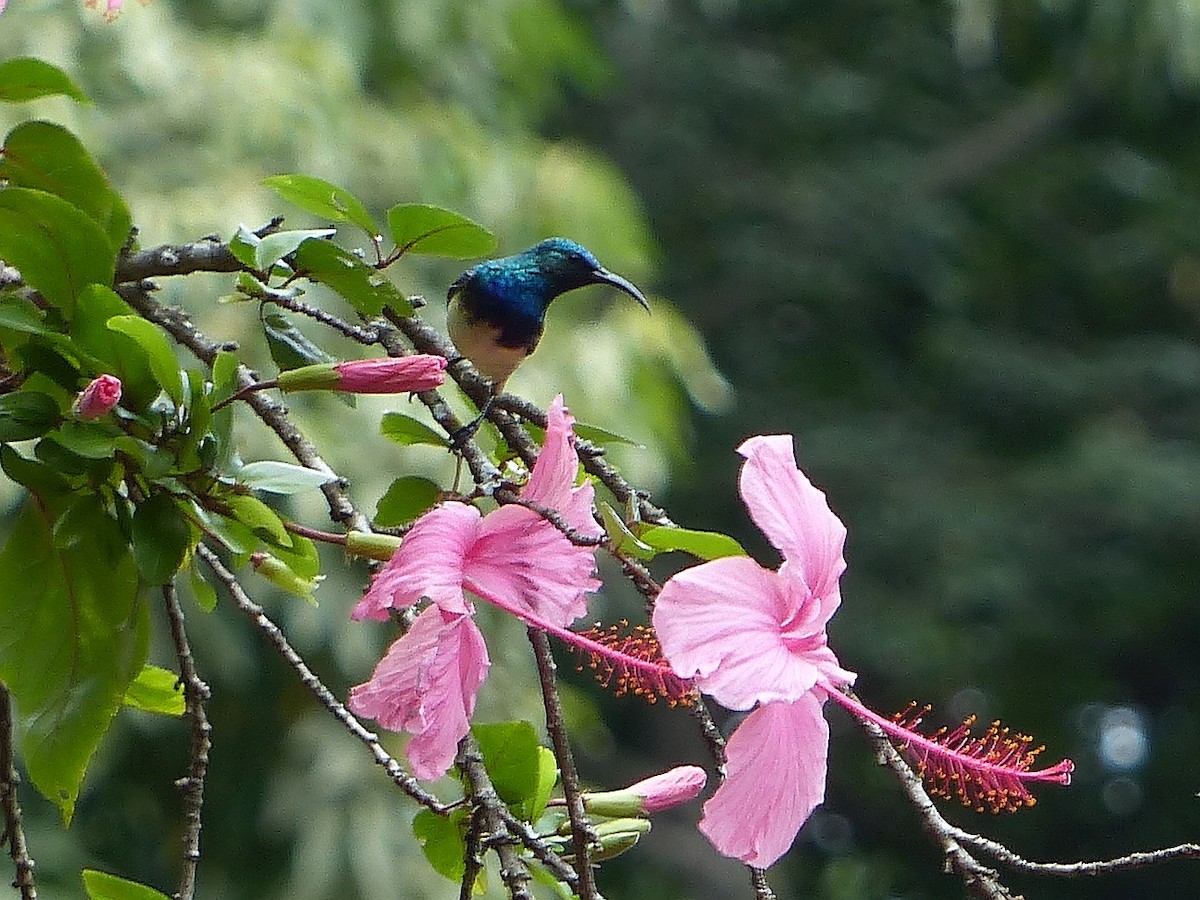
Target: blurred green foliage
952,246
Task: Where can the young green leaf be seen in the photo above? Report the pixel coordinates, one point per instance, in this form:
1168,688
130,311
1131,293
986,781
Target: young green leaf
57,247
703,544
419,228
156,690
46,156
204,593
598,435
406,431
510,753
280,477
623,540
27,414
405,499
443,839
19,314
25,78
365,288
161,539
260,518
290,348
116,354
102,886
277,245
76,636
532,807
158,351
321,198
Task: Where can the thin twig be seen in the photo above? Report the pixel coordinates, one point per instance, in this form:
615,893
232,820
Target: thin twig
980,881
762,890
472,854
14,831
195,695
1139,860
276,639
513,871
582,835
365,336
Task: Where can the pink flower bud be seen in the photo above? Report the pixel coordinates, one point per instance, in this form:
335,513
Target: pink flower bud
392,374
98,398
650,795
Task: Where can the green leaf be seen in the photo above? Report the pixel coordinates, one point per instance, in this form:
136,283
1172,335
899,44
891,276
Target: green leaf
74,638
156,690
406,431
259,518
58,248
161,539
321,198
91,440
704,544
27,414
534,805
301,557
623,540
598,435
46,156
419,228
158,352
202,590
225,385
405,499
277,245
280,477
243,245
116,354
20,314
511,754
290,348
102,886
36,476
364,287
25,78
443,840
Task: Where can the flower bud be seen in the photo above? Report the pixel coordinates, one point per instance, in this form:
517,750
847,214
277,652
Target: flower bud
98,398
371,545
651,795
385,375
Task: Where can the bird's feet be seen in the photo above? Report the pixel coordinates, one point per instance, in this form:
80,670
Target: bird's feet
464,434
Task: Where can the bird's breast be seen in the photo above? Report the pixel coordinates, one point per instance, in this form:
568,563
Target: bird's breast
488,346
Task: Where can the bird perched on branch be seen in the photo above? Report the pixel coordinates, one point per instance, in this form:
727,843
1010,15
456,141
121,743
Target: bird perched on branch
497,309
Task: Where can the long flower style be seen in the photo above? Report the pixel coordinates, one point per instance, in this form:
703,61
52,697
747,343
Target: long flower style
512,557
754,638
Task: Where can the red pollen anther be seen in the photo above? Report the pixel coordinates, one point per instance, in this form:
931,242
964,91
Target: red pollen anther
629,660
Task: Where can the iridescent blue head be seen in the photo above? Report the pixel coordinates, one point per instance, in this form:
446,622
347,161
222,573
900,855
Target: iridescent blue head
525,284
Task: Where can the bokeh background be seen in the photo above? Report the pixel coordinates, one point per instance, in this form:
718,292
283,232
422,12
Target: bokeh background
953,247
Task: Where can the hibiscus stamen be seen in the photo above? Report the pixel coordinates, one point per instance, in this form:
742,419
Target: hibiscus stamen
990,771
629,660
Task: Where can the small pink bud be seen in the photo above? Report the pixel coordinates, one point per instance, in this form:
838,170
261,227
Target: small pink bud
650,795
98,398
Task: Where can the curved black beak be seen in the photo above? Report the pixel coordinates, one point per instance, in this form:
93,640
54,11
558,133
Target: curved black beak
603,276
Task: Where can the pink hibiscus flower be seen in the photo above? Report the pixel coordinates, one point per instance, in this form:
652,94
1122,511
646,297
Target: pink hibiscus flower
512,557
755,638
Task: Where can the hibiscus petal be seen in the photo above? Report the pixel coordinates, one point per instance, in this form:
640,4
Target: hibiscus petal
776,778
793,514
552,481
429,563
524,564
426,685
721,624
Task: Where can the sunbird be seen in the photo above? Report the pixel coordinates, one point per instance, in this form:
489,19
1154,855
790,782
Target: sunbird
497,309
